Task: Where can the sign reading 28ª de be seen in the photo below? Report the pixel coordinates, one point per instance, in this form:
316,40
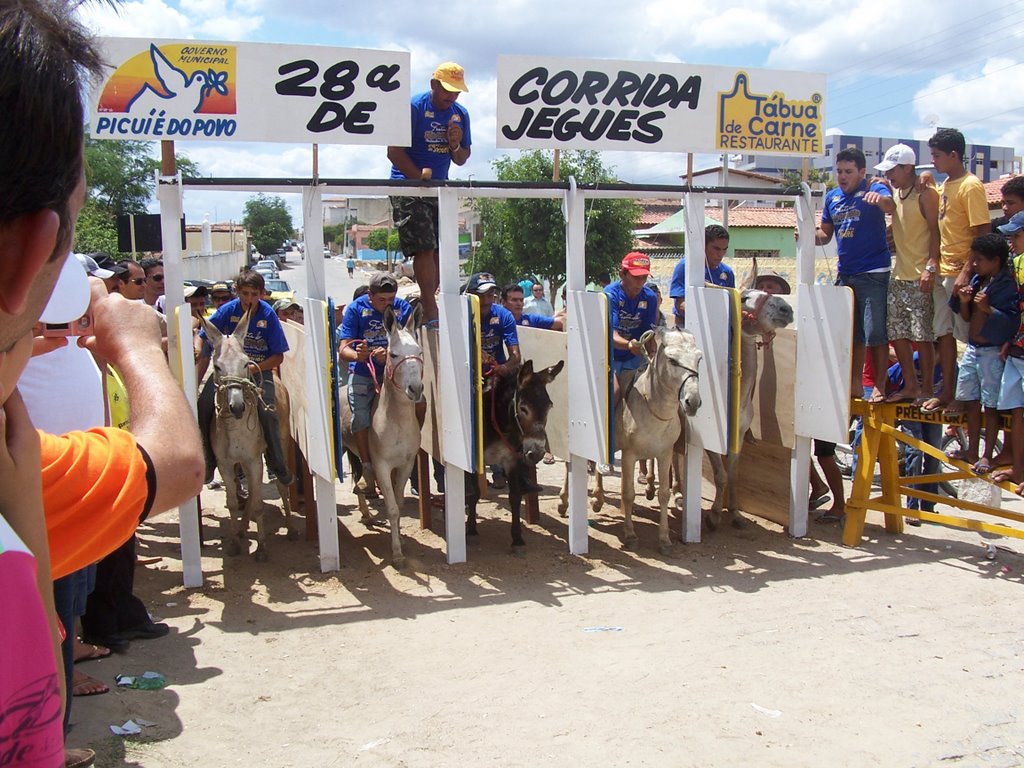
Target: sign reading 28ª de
547,103
192,90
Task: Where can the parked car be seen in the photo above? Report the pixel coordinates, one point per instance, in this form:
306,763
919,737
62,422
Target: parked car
279,289
327,253
267,268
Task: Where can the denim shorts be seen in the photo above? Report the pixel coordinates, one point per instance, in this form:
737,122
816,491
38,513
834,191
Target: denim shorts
1011,388
360,400
870,296
981,374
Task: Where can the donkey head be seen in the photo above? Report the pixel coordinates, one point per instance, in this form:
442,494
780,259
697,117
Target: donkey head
404,367
678,358
763,312
531,405
230,363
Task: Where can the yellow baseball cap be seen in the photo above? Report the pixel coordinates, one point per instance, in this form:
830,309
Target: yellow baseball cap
451,76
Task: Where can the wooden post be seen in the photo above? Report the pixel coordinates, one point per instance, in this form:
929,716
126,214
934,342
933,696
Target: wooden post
556,172
805,169
168,165
316,162
689,169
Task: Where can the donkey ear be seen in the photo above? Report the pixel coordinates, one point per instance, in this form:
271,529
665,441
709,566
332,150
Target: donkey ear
212,332
243,327
415,318
752,277
389,318
525,372
550,372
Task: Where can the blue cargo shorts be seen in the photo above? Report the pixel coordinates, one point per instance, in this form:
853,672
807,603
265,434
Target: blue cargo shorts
360,400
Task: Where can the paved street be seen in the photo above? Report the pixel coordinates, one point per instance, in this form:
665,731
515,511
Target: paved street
339,285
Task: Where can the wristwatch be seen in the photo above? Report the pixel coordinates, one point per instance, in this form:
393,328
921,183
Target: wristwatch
930,268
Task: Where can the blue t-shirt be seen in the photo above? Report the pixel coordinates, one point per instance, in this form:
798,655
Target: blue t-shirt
263,338
362,321
498,328
859,229
536,321
630,318
430,136
722,275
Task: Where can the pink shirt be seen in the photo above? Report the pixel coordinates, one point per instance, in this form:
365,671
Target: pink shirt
31,728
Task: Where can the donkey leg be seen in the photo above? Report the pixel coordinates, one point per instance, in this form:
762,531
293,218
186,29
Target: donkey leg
472,497
677,481
732,463
598,501
664,540
515,496
232,531
626,501
714,514
286,508
390,491
563,497
255,509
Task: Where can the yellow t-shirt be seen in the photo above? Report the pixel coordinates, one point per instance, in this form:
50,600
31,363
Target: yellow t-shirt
910,233
962,205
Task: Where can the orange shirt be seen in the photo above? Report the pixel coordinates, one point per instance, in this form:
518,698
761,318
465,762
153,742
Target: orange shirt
97,487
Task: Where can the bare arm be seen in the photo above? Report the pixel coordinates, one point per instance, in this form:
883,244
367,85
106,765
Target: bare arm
128,337
401,160
928,201
981,229
823,233
885,202
271,362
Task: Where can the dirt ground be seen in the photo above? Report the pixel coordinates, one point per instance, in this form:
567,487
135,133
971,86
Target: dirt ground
750,648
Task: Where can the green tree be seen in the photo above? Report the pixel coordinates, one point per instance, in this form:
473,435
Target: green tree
526,237
269,222
120,174
96,229
383,240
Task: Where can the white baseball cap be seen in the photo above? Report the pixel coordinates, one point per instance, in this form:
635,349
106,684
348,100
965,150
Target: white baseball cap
70,297
899,154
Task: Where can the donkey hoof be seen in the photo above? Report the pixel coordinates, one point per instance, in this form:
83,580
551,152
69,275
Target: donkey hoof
665,549
739,521
712,519
232,546
471,531
562,509
649,493
630,543
292,535
596,504
519,550
261,556
398,562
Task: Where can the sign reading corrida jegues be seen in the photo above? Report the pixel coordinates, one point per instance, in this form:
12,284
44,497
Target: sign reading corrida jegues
548,103
191,90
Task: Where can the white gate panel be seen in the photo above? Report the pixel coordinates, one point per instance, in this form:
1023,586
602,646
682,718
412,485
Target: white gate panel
824,340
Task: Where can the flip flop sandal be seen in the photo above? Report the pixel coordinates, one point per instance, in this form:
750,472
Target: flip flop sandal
88,686
829,517
93,652
957,454
815,503
934,405
982,467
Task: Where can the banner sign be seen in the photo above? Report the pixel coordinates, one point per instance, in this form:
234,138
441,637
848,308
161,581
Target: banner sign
190,90
561,103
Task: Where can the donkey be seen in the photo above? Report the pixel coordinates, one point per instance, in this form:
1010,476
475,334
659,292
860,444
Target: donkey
237,438
394,429
650,419
515,423
762,314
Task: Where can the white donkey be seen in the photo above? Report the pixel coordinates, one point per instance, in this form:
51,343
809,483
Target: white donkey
763,314
394,429
648,422
237,438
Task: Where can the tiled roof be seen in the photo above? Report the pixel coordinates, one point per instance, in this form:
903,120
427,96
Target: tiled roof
656,211
993,191
748,174
754,216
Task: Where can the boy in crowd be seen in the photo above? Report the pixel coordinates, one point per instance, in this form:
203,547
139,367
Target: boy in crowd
990,307
963,216
909,309
1011,389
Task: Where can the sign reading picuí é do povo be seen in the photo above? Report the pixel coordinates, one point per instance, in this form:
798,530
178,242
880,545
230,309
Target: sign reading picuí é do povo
549,103
193,90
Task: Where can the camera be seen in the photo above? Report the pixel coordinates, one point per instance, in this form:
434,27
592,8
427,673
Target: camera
80,327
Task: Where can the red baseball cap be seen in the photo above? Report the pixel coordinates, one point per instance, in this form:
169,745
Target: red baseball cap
637,263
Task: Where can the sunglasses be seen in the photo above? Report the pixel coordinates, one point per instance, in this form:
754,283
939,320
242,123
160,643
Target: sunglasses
157,278
136,280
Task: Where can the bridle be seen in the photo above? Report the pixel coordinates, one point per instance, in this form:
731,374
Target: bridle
252,393
753,317
389,369
690,373
517,452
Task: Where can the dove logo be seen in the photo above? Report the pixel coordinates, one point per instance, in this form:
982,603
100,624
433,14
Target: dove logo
768,123
171,91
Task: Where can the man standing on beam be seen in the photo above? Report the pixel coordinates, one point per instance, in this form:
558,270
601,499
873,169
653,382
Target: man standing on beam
440,137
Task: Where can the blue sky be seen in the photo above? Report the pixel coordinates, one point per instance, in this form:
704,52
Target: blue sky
893,69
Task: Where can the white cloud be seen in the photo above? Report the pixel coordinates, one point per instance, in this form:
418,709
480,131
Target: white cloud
186,19
983,102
